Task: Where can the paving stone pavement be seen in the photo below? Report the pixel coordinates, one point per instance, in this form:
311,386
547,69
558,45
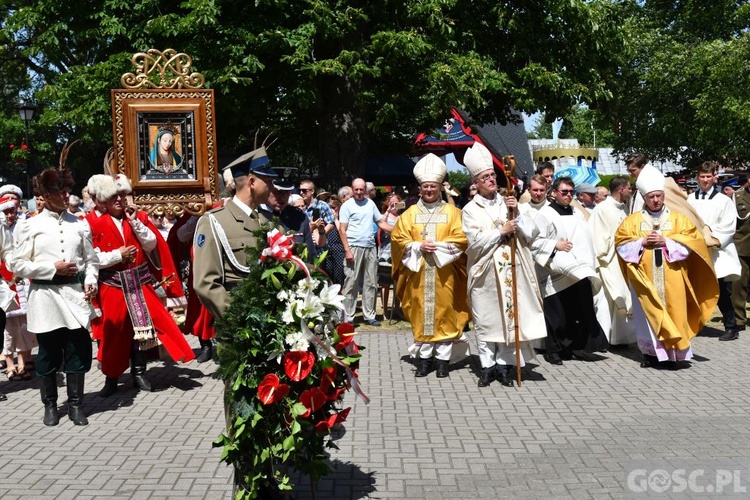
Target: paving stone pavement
571,431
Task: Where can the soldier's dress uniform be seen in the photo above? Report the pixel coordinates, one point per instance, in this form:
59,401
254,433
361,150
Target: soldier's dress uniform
291,217
220,261
216,273
219,258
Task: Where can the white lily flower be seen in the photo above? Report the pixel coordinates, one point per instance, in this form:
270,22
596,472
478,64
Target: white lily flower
330,296
323,351
307,286
278,354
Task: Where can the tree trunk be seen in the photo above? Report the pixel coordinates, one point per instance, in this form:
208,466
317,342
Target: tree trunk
342,134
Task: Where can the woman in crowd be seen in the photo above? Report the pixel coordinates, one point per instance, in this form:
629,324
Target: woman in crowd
334,263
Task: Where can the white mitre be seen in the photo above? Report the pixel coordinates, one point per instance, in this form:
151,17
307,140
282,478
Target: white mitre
650,179
430,169
478,159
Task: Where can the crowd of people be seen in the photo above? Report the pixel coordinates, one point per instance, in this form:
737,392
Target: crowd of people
568,270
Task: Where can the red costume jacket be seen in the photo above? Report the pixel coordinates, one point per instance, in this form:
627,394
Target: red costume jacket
117,338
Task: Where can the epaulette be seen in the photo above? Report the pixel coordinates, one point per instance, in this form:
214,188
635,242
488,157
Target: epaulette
217,209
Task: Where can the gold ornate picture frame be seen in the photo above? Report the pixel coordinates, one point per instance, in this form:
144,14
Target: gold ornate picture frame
165,138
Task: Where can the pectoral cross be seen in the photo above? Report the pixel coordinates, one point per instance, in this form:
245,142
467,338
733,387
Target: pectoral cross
430,221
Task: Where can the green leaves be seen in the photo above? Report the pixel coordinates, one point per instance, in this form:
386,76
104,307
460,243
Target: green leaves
320,72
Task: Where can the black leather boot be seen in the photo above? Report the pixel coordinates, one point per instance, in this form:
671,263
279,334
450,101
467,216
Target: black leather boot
442,368
207,351
138,371
488,375
49,398
110,387
425,364
505,375
75,398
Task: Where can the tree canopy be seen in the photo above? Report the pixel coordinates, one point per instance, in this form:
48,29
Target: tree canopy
335,80
683,91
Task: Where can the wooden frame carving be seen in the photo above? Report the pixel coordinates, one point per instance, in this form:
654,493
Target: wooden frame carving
183,177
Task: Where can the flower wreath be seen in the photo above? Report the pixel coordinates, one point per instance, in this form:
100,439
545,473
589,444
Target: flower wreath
286,361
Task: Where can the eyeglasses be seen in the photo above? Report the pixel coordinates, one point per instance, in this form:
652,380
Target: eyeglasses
487,177
305,190
565,192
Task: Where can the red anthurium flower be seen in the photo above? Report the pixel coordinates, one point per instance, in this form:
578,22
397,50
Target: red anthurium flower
344,328
328,377
271,390
346,334
324,426
298,364
313,399
341,416
328,383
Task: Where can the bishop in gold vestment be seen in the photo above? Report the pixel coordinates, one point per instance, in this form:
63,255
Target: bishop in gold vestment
429,269
669,271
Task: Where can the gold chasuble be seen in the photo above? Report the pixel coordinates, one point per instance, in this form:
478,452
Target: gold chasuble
677,298
433,297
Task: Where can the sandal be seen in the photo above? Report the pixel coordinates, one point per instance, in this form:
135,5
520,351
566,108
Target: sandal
24,375
13,375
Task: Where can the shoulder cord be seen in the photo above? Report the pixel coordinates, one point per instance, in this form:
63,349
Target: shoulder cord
221,236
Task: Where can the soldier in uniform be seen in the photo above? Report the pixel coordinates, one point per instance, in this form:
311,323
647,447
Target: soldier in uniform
742,242
222,234
219,259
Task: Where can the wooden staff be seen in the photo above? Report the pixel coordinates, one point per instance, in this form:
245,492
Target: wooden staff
515,307
509,163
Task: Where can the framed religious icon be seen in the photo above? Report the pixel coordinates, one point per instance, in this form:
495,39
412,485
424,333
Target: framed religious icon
164,138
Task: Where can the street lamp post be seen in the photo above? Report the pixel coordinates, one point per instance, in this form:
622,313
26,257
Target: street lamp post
26,112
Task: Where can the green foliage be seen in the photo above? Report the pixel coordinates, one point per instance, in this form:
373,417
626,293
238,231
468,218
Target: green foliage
683,91
459,180
335,80
267,309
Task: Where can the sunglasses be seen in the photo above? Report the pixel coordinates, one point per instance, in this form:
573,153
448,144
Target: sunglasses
565,192
305,190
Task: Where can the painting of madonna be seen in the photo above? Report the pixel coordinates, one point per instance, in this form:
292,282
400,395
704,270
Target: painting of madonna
163,156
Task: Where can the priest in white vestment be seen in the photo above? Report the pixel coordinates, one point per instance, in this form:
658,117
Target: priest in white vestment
603,223
568,281
537,196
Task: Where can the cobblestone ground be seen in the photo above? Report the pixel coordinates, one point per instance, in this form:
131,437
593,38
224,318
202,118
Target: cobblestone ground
571,431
